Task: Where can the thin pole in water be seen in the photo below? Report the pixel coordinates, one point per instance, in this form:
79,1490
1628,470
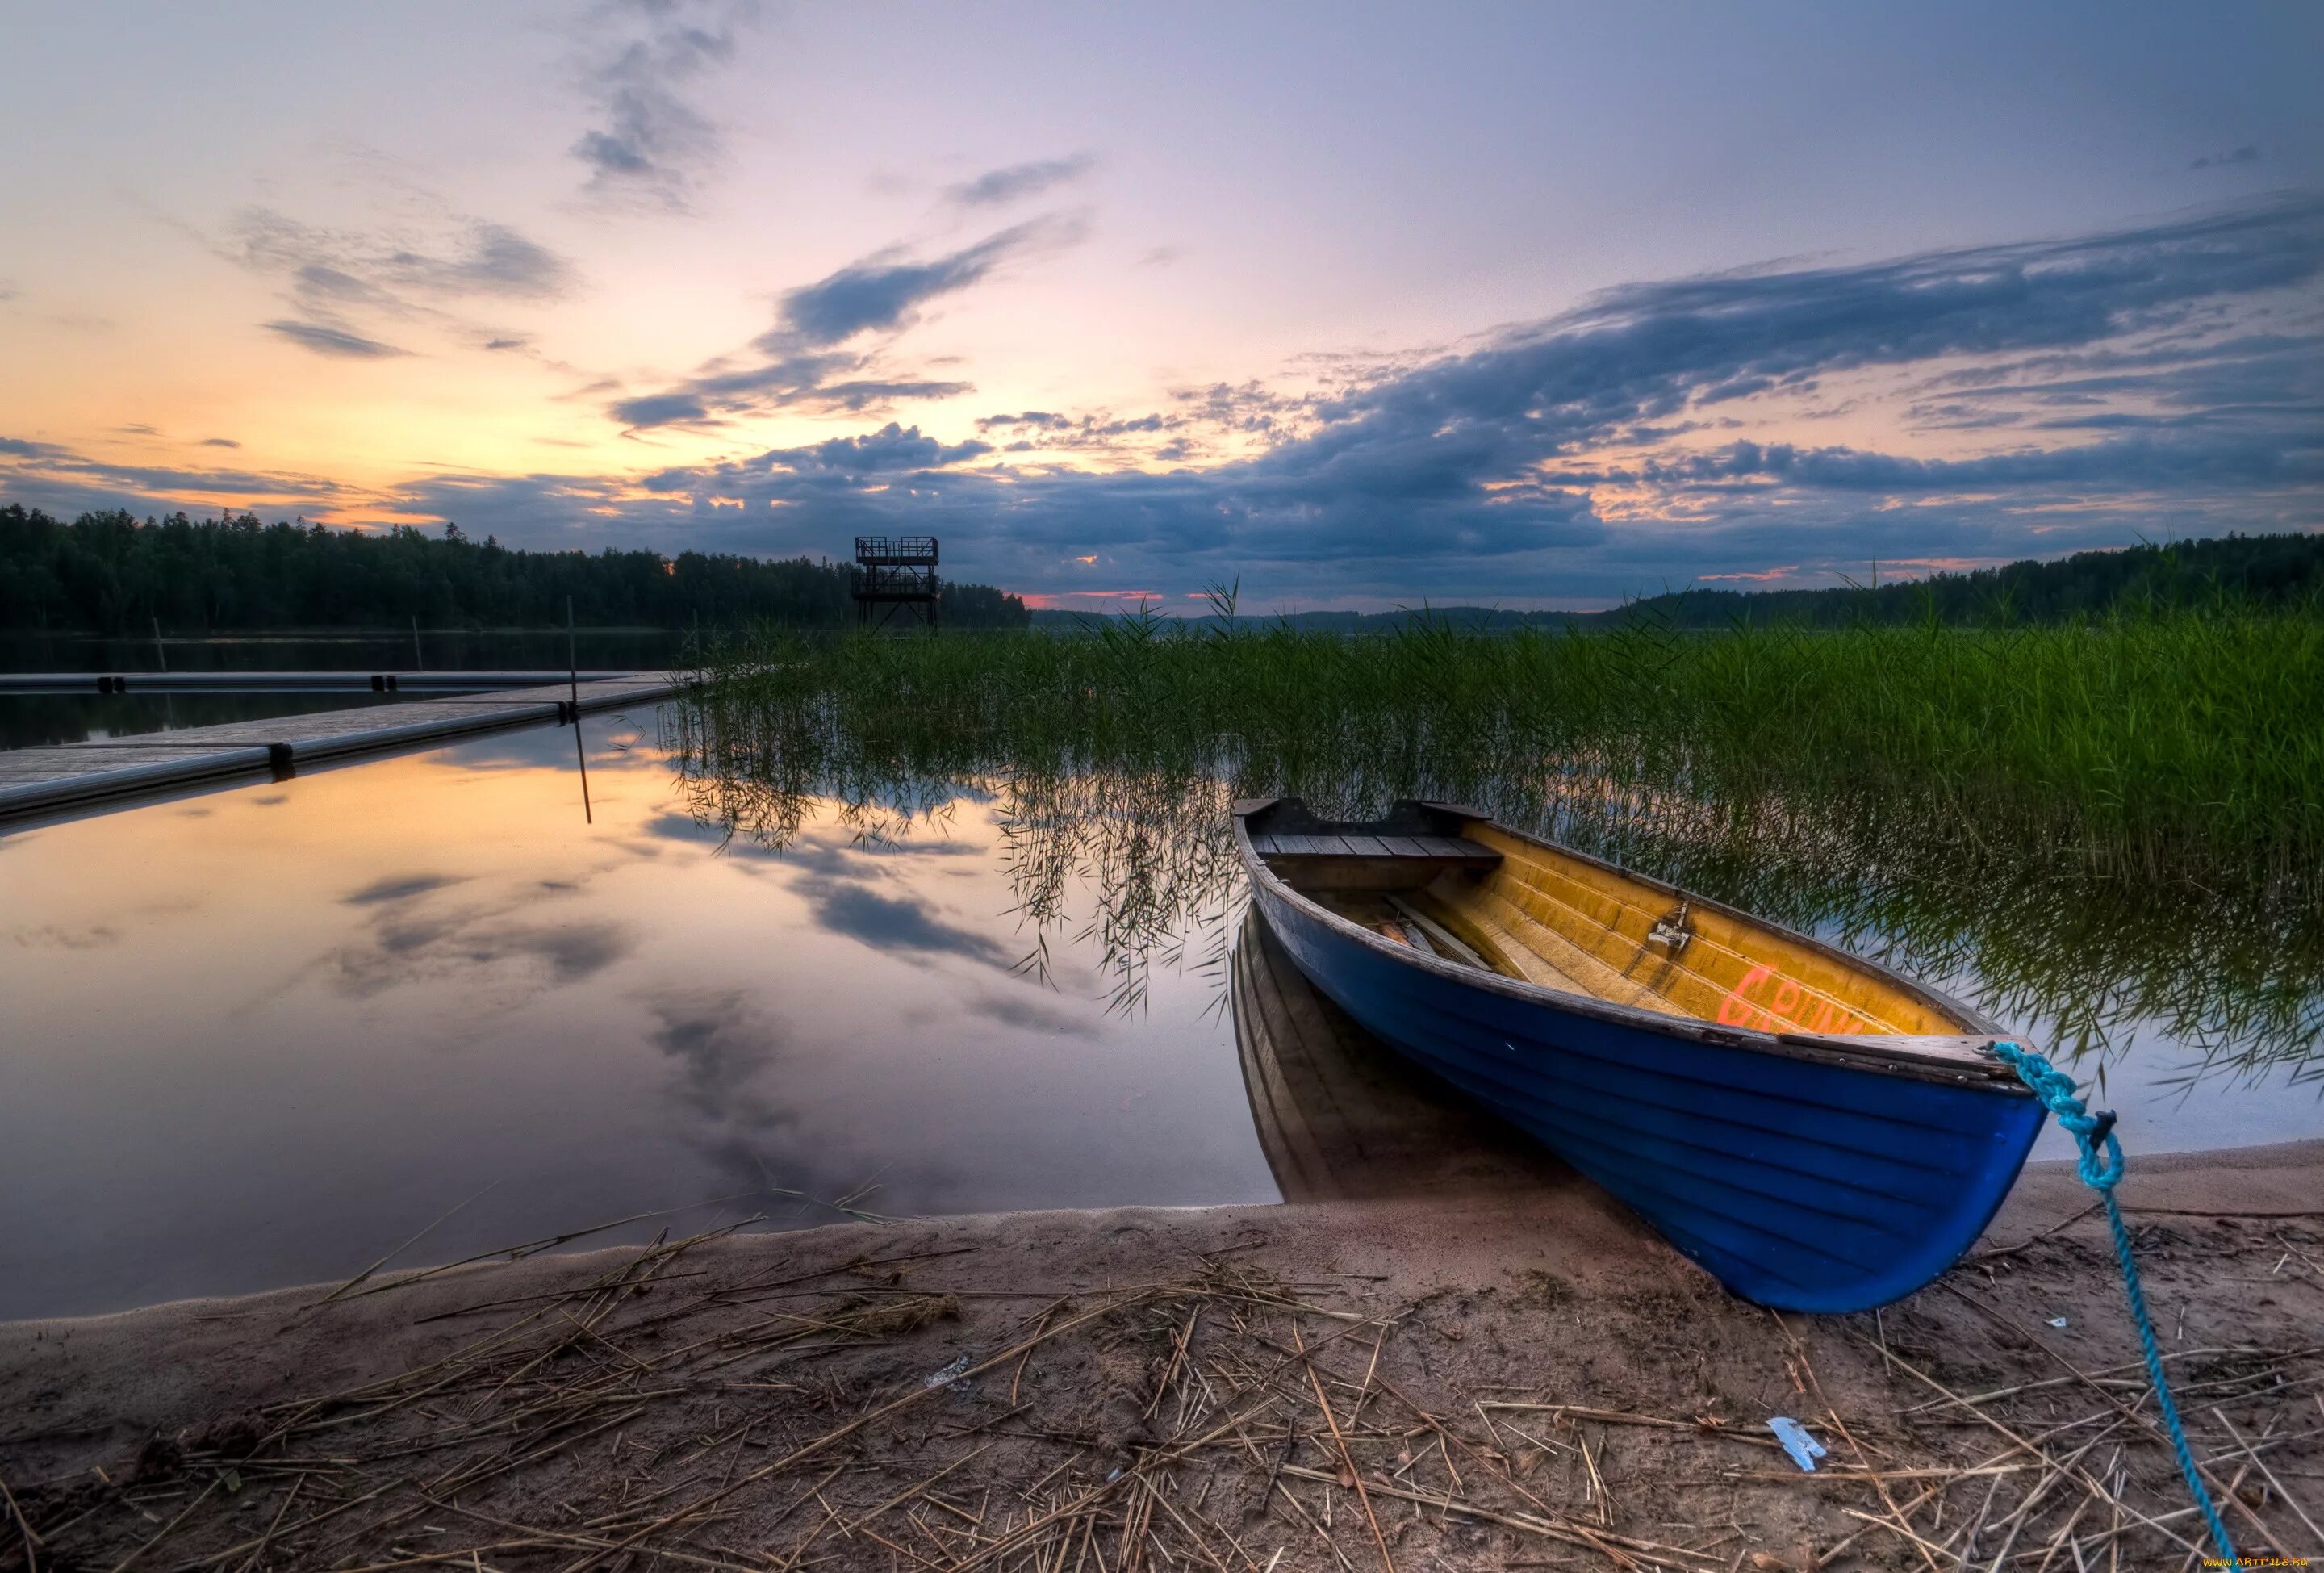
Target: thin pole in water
418,664
159,656
573,676
581,756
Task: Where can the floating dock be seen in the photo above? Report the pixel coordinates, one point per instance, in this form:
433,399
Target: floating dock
280,682
65,777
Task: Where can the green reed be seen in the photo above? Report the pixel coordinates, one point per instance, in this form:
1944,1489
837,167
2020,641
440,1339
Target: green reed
2182,747
2080,825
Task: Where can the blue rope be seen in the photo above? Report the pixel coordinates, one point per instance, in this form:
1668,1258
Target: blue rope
2101,1170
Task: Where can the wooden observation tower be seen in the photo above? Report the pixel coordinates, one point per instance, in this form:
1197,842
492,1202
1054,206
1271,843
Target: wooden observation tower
896,574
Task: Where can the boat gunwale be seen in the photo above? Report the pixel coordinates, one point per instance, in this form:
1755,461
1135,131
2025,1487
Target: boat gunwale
1987,1075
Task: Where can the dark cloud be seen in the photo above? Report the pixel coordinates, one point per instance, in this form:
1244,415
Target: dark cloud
891,448
660,410
802,361
1018,181
2146,461
648,145
48,476
721,1048
2245,154
2164,378
1027,1012
340,283
882,292
1476,472
336,342
890,922
220,442
899,923
458,258
409,938
399,888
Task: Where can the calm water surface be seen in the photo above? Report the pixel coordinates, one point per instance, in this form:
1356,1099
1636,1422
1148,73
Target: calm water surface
260,1037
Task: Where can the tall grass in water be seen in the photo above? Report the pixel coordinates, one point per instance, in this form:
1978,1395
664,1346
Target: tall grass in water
2082,828
2181,747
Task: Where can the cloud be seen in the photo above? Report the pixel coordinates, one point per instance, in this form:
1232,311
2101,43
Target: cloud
893,447
335,342
659,410
803,362
886,922
648,144
1492,471
1027,1012
452,257
43,474
408,938
2160,378
338,282
883,292
720,1047
1016,182
399,888
2245,154
220,442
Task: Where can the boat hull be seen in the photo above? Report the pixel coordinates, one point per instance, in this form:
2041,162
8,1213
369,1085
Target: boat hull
1800,1183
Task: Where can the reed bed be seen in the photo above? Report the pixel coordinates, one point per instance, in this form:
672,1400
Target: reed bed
2170,746
2083,828
909,1406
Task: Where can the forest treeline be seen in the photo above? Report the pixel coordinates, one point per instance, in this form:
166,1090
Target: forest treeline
2262,571
2276,571
109,573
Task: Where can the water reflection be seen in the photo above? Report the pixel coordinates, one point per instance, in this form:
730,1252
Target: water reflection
783,960
2180,987
263,1046
1342,1117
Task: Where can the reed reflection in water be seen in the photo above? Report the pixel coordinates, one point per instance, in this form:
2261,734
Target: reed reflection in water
2175,992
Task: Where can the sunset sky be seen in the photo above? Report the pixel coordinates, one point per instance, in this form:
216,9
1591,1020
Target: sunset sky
1530,305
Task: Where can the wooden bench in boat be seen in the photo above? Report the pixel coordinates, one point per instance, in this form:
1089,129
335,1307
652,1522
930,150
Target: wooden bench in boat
1439,848
1357,860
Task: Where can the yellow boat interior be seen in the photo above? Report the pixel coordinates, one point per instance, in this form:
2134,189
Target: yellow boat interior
1457,886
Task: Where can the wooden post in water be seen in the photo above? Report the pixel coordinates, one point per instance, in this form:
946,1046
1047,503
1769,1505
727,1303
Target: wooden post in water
573,675
160,657
418,664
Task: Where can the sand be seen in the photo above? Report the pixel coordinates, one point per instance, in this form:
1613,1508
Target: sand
1302,1386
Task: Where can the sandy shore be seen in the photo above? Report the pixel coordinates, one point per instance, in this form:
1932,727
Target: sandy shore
1523,1377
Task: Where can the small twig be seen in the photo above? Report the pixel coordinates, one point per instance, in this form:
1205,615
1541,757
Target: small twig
23,1528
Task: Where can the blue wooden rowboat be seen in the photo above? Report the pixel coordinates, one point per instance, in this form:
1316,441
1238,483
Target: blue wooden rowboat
1818,1132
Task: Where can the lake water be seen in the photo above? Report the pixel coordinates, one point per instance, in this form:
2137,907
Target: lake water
261,1036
